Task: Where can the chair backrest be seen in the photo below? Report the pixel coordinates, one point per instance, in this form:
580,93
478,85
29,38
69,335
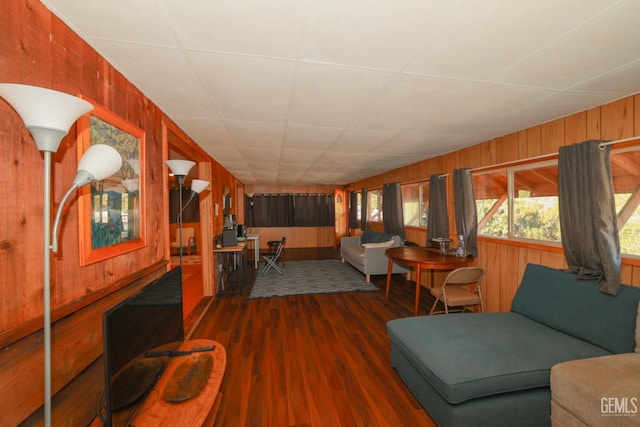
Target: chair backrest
282,242
464,276
187,234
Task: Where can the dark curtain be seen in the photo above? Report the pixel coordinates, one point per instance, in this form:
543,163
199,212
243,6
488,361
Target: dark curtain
271,210
191,212
466,212
588,220
438,217
353,210
313,210
364,213
392,217
289,210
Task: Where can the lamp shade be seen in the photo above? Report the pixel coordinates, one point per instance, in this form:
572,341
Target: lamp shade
100,161
198,185
48,114
180,167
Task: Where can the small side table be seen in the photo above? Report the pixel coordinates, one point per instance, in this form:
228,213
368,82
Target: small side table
256,247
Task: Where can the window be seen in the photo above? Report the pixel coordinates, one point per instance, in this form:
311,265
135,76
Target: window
374,205
415,204
535,202
625,168
491,203
532,212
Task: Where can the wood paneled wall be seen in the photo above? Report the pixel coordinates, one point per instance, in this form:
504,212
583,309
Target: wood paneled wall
505,261
38,49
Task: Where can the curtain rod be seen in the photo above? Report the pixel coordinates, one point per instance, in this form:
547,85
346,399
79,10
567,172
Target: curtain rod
547,156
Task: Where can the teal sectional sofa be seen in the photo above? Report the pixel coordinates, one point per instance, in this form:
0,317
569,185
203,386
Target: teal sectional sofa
493,369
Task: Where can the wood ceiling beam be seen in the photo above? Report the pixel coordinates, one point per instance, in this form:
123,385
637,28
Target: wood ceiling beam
487,217
629,208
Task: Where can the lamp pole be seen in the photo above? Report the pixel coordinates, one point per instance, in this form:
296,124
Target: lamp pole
48,115
180,170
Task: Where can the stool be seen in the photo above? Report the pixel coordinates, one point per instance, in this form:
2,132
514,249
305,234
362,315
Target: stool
273,248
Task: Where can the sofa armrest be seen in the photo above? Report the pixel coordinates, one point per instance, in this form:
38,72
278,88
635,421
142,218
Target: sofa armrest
350,241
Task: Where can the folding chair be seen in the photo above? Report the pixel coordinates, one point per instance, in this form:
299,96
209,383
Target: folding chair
461,288
271,259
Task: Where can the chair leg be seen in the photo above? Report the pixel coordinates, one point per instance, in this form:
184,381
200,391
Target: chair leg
269,264
433,307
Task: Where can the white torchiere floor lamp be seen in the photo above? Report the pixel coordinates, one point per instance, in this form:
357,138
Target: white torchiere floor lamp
180,169
48,115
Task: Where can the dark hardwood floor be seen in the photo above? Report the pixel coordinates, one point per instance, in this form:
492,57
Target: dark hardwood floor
312,360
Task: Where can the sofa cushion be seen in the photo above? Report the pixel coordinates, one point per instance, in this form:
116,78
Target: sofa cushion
353,252
638,330
466,356
369,236
598,391
386,244
559,300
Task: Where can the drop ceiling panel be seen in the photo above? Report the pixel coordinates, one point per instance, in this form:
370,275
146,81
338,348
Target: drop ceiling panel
467,47
585,53
409,98
256,134
299,157
348,88
167,75
310,137
247,88
336,40
326,95
259,27
140,21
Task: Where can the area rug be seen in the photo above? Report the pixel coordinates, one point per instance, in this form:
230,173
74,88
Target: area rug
310,277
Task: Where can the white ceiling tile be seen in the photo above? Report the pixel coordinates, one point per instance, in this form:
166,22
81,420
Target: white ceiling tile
336,41
299,157
205,130
333,91
572,60
310,137
140,21
361,140
480,106
260,27
615,82
484,37
163,74
408,15
268,136
247,88
333,159
332,96
408,99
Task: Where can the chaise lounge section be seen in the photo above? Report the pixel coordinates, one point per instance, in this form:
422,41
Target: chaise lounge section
489,369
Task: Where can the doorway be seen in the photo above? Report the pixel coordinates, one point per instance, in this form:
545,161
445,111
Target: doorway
195,216
340,224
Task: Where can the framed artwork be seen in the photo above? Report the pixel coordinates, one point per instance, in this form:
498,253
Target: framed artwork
111,212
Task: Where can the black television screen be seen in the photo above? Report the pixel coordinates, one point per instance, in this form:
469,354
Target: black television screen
150,320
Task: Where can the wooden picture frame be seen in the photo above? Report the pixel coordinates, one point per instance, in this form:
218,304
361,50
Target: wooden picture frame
111,212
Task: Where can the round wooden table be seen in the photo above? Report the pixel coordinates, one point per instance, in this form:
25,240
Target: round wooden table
420,257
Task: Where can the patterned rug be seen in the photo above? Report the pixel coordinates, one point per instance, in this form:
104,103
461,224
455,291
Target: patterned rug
310,277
